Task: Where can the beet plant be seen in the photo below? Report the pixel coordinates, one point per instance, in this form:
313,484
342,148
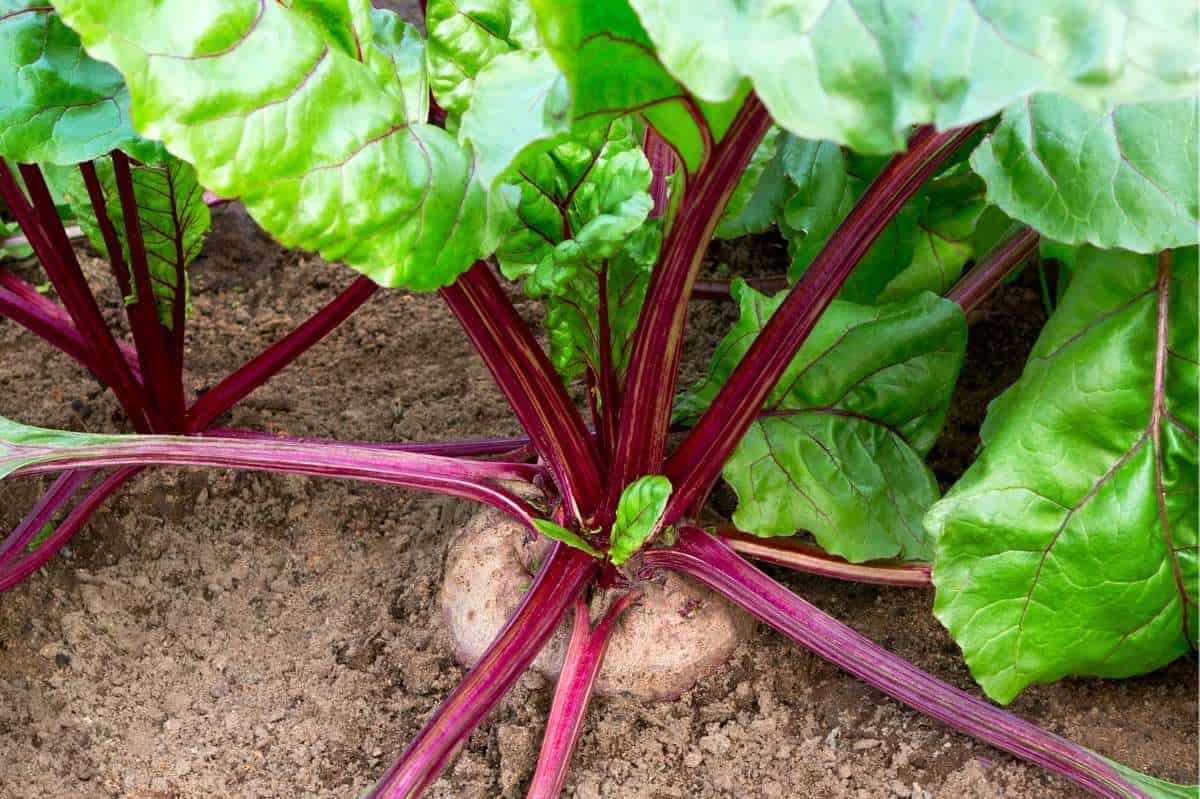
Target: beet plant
914,153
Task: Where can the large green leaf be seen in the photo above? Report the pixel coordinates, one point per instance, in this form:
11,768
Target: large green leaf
760,193
924,248
464,37
861,72
1118,178
318,145
639,513
173,215
57,105
577,235
1070,546
611,68
520,106
838,448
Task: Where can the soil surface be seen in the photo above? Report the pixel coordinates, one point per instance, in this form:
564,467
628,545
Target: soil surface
248,635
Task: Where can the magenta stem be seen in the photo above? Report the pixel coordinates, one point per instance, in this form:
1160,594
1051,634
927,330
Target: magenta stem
451,476
165,385
707,559
528,381
41,224
468,448
42,513
814,560
986,276
649,391
576,682
662,165
41,317
563,577
238,385
13,573
698,460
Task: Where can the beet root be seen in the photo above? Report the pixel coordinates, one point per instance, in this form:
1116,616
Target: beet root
676,634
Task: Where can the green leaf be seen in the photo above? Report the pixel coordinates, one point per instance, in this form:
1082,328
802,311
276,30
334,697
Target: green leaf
57,105
578,234
639,514
1118,178
464,37
552,530
1155,788
761,191
11,230
611,68
174,220
398,55
862,73
1069,547
319,146
526,92
924,248
838,448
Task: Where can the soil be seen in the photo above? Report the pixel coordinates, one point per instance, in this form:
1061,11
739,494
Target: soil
248,635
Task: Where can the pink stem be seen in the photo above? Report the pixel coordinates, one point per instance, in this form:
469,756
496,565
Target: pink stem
814,560
713,563
986,276
581,667
563,577
42,513
698,460
13,573
238,385
467,479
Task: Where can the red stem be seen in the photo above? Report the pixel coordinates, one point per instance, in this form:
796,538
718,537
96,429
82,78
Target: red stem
238,385
13,573
814,560
581,667
468,479
478,448
42,513
530,384
713,563
48,321
143,319
696,463
986,276
563,577
42,226
662,165
649,389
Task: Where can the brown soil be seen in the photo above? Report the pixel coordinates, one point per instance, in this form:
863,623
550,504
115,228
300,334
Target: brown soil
247,635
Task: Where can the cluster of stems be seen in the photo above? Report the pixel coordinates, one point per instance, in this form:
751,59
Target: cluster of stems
582,468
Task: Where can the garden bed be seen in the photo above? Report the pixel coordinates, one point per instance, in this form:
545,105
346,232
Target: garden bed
222,634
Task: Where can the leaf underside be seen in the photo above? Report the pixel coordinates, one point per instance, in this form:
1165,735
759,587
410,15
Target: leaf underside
173,218
862,73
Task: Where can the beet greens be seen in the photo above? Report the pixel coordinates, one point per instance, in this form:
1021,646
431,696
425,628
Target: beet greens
913,154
